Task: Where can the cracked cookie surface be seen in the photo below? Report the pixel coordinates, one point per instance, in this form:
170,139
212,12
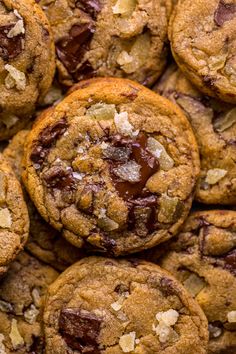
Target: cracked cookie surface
203,258
44,242
214,126
203,42
113,166
22,293
109,38
27,62
103,306
14,220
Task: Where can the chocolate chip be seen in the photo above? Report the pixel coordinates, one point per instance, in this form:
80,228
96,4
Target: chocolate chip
224,12
131,95
10,48
108,244
80,330
59,178
71,49
46,140
92,7
209,81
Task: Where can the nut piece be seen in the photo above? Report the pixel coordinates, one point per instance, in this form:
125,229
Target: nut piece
124,7
5,306
102,111
2,346
214,331
159,152
118,304
18,28
215,175
107,224
167,208
5,218
163,329
226,121
9,120
231,316
36,297
15,336
194,284
130,172
31,314
15,78
127,342
123,125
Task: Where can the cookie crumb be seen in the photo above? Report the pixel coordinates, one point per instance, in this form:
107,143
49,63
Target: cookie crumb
15,336
127,342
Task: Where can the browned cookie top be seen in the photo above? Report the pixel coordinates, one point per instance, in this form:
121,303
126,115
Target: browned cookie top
103,306
14,221
203,258
203,42
44,242
26,62
109,38
22,294
214,125
113,166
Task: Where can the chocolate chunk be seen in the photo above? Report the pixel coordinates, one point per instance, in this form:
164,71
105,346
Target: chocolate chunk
85,71
167,286
71,49
224,12
58,177
230,261
46,140
139,153
92,7
80,330
37,346
10,48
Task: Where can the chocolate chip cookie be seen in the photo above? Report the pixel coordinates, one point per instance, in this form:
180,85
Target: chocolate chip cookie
109,38
113,167
214,125
203,258
22,292
14,221
100,305
27,62
44,242
203,42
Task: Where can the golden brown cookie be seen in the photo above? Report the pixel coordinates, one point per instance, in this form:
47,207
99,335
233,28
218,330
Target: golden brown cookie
22,294
203,42
104,306
113,167
27,62
214,125
44,242
203,258
109,38
14,220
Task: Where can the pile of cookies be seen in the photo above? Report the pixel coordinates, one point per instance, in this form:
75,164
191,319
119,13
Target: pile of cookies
117,176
